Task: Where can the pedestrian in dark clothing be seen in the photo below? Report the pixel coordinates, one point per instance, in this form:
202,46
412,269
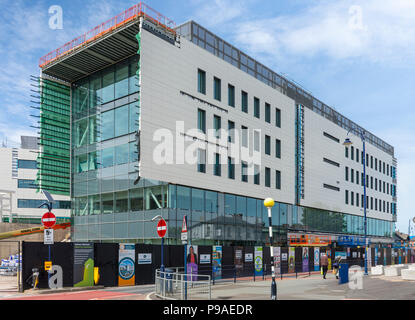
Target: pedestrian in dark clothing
324,264
336,266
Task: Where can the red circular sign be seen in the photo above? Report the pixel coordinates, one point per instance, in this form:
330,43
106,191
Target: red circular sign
48,219
161,228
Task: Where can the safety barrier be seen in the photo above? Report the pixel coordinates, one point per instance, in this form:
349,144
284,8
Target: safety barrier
138,10
181,286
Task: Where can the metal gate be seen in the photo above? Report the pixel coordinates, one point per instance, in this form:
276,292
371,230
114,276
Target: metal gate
10,267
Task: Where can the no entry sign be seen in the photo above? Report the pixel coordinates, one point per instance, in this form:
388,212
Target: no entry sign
48,220
161,228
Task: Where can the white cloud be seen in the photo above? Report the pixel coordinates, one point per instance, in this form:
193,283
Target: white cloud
375,30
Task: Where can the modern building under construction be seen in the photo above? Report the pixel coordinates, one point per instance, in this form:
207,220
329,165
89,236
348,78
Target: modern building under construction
140,117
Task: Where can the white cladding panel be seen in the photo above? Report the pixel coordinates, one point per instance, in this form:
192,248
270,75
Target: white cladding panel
166,70
317,172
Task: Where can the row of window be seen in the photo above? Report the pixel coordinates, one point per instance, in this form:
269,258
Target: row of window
26,164
217,170
215,208
112,83
34,203
26,184
375,204
374,163
106,158
217,95
113,123
372,183
217,125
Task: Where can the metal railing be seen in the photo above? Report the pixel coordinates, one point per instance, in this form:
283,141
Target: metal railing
138,10
180,286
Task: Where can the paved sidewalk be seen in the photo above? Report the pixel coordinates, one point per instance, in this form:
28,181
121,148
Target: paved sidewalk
314,288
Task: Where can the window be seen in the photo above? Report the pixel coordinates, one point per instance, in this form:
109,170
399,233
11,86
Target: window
267,177
27,164
121,121
357,199
201,120
278,148
244,101
121,154
357,177
352,152
201,81
257,142
121,80
346,197
352,198
256,174
346,173
351,175
217,125
35,203
231,168
216,168
231,131
107,157
371,162
277,179
267,145
357,155
244,171
267,112
327,186
331,137
201,160
231,95
216,89
26,184
376,164
244,134
108,85
257,108
346,152
107,125
332,162
277,117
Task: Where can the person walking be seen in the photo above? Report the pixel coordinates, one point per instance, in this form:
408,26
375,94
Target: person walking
324,261
336,266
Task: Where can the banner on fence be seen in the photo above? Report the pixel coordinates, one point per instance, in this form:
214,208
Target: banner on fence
291,259
191,262
144,258
204,259
126,264
238,259
305,259
316,259
249,257
277,260
217,261
258,261
83,267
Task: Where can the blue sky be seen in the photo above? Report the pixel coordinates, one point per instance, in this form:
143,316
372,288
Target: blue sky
356,56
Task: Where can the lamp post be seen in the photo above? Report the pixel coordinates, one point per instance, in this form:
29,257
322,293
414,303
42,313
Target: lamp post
347,143
269,203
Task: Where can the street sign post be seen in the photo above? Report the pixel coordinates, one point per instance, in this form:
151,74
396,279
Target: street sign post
184,241
161,231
